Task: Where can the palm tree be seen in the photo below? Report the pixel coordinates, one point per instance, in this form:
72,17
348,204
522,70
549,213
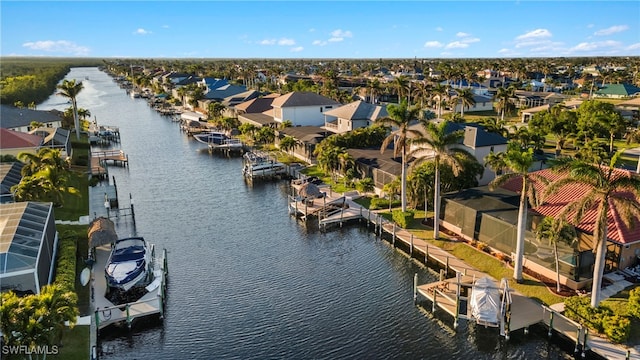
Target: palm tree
215,110
401,85
554,231
288,143
466,99
518,160
375,88
61,306
438,145
602,187
503,97
440,94
400,117
70,89
84,113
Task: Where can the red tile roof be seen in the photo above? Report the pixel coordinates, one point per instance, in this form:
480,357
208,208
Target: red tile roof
10,139
617,231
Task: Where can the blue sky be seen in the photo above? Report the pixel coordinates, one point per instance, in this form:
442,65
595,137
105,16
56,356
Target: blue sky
328,29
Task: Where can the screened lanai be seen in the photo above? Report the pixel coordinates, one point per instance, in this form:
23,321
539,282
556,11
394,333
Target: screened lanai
27,242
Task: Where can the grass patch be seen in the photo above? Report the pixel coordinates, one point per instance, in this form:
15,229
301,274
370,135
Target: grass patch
75,344
75,205
80,233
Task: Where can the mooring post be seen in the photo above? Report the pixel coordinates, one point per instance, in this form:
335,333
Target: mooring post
415,288
160,304
575,350
457,316
447,265
426,253
393,236
433,305
97,321
584,342
411,246
551,323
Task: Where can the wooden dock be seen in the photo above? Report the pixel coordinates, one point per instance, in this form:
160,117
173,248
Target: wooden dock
101,159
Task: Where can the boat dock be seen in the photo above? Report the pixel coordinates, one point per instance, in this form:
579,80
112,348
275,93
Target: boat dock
228,147
100,160
152,303
450,292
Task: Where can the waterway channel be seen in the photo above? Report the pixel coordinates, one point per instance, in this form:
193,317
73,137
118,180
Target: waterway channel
248,281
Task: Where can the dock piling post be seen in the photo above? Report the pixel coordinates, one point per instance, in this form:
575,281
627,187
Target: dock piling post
576,348
160,304
551,323
411,246
426,253
433,305
393,236
447,265
415,288
457,316
584,342
526,330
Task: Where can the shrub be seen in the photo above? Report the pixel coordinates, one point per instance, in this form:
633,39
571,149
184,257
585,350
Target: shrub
66,263
617,328
482,246
403,219
382,203
634,302
579,309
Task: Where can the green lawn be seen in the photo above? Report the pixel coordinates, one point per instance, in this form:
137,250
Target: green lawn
75,344
75,205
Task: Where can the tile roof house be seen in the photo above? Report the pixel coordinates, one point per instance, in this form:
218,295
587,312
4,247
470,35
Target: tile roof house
57,138
257,111
624,241
302,108
15,142
354,115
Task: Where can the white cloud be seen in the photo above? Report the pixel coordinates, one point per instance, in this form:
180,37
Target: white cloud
504,51
312,30
286,42
535,34
319,43
141,31
456,45
611,30
59,46
598,45
268,42
590,26
633,46
462,34
439,28
339,35
433,44
469,40
297,49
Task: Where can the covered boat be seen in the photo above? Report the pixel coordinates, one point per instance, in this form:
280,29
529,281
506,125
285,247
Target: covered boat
128,263
211,137
484,302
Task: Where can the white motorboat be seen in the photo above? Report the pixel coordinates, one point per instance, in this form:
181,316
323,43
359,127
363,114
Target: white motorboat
484,302
211,137
128,263
260,166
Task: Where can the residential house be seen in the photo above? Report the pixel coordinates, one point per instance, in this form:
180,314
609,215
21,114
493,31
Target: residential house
482,103
14,142
257,111
354,115
57,138
527,114
383,168
618,91
10,175
307,137
20,119
302,108
528,99
491,217
28,239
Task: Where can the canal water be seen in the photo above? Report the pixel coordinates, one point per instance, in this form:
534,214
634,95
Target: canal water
248,281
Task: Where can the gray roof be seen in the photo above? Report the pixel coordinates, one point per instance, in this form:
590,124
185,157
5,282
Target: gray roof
224,92
13,117
307,134
257,118
374,158
302,98
359,110
476,136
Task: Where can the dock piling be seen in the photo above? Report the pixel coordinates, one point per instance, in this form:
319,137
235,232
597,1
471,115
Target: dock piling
415,288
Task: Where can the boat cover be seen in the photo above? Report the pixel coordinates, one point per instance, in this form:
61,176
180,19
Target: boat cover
485,302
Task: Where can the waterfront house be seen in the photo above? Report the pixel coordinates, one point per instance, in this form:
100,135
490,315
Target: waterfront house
383,168
20,119
10,175
307,137
28,242
491,217
302,108
257,111
57,138
352,116
14,142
